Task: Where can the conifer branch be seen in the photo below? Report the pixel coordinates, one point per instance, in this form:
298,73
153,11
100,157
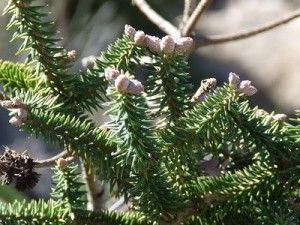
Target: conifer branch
163,169
15,76
39,38
30,211
76,134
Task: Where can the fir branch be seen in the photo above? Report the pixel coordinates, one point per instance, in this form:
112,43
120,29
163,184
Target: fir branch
79,136
168,84
223,117
139,150
104,218
247,187
68,190
275,211
38,38
86,90
34,212
16,76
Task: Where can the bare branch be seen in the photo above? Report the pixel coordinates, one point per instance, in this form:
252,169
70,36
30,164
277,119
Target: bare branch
51,161
189,7
95,189
191,23
222,38
154,17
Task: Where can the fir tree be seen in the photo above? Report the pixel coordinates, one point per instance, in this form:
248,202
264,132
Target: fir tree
175,157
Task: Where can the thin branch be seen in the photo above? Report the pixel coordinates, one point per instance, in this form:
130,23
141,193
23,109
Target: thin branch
51,161
189,7
95,189
191,23
217,39
155,18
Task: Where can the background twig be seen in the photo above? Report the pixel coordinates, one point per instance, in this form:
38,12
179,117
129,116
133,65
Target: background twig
189,7
191,23
222,38
51,161
154,17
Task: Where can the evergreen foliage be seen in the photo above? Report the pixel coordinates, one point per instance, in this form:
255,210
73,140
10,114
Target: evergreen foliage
159,147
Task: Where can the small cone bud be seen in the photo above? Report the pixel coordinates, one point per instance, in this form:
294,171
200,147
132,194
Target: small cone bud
167,45
122,82
153,43
16,121
72,55
111,74
135,86
250,91
130,32
245,84
22,113
183,45
16,101
7,104
246,88
269,119
88,62
234,80
62,163
139,38
280,117
261,113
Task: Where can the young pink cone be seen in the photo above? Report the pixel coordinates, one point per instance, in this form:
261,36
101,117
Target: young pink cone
153,43
247,88
280,117
111,74
22,113
122,82
135,87
16,121
88,62
130,32
62,163
183,45
234,80
167,45
139,38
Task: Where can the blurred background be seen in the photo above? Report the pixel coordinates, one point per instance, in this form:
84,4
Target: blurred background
270,60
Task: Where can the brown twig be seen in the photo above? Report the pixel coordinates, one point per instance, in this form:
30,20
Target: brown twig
192,21
222,38
51,161
95,189
189,7
154,17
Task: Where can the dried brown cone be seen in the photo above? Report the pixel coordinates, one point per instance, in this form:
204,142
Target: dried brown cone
19,168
